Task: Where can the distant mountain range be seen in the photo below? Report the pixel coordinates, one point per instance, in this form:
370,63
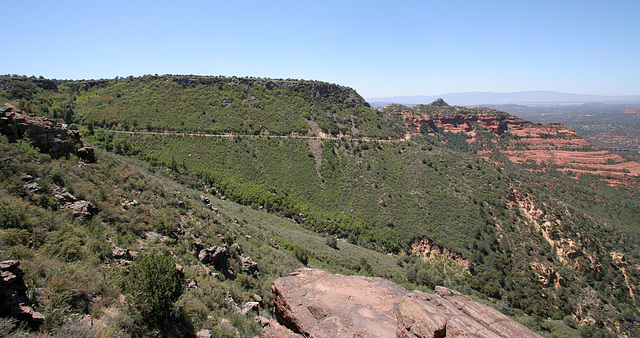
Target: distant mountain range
538,98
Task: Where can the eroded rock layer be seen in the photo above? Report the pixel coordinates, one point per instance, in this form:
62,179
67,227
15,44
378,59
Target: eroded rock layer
47,135
519,140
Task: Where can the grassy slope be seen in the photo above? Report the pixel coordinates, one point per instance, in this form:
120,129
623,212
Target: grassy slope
396,188
380,195
223,105
73,265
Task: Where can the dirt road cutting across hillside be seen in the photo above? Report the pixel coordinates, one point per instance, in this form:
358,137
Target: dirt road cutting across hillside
321,136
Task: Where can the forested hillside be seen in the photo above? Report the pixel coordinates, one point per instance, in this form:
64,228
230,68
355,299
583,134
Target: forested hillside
449,205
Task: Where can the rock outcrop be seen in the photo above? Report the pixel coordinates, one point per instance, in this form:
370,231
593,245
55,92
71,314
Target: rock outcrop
521,141
449,313
80,209
248,266
87,155
439,103
314,303
428,250
45,134
13,298
83,210
218,256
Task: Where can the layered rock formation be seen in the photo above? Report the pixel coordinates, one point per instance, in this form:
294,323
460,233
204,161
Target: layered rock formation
439,117
314,303
47,135
449,313
525,142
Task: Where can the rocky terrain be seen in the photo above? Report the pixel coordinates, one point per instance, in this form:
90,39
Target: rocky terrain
314,303
476,200
427,250
47,135
523,142
13,297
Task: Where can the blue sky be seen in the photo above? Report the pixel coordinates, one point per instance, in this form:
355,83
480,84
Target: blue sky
380,48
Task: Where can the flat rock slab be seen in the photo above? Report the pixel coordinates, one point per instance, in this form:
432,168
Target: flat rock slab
449,313
314,303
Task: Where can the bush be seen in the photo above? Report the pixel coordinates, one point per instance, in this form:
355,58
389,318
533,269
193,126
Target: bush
332,242
154,285
301,255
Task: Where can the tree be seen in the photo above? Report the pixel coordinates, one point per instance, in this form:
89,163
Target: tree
153,284
22,90
332,242
68,117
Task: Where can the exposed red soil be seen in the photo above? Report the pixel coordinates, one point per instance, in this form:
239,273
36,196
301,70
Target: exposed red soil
528,142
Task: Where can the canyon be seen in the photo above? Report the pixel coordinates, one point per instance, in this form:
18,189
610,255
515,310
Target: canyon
522,142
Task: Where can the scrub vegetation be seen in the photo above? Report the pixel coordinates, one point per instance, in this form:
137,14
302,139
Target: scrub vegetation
297,173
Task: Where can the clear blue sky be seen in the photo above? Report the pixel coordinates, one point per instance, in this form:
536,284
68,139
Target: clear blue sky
380,48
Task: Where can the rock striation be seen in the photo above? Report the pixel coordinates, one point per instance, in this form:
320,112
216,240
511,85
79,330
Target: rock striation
13,298
314,303
521,141
449,313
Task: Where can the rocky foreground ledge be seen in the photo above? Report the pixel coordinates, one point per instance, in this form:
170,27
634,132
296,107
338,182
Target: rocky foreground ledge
314,303
13,297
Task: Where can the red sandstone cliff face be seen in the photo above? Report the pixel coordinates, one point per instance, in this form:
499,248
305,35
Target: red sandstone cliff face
521,141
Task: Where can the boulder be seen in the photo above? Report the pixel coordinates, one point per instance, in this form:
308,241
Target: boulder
250,307
13,298
33,188
87,155
128,204
275,330
248,266
82,209
314,303
62,194
236,247
218,256
204,333
123,254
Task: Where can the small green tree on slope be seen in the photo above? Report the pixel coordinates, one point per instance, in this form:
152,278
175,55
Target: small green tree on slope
153,284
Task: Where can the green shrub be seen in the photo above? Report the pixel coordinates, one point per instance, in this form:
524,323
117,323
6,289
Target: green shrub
332,242
153,285
301,254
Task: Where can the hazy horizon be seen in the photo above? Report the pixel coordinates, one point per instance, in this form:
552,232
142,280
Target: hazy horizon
535,97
